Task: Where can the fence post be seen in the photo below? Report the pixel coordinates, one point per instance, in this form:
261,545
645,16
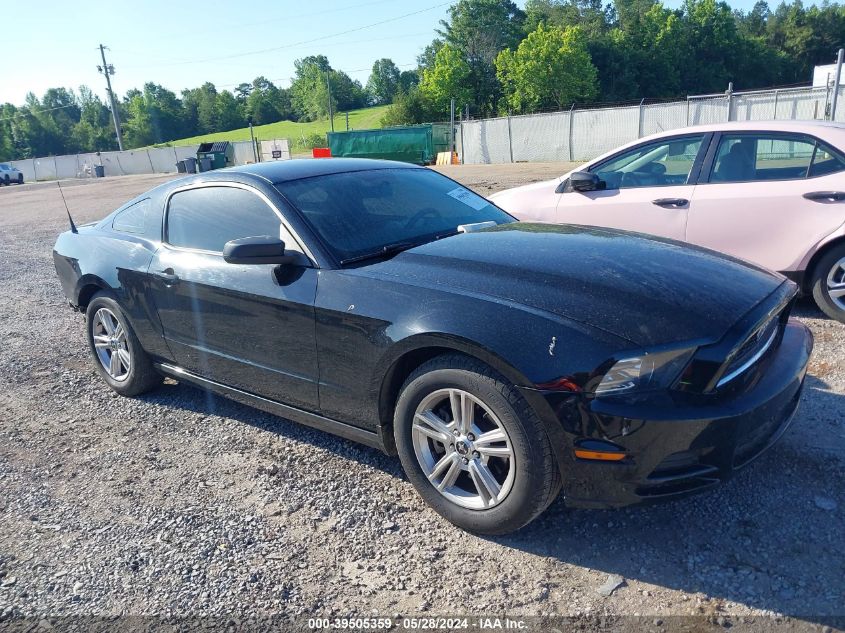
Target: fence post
55,167
640,124
150,158
776,105
510,137
463,151
688,101
35,169
571,112
730,93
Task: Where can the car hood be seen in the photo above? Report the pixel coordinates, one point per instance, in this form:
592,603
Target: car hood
647,290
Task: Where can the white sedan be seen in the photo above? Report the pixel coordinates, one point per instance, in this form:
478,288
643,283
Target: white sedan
772,193
10,174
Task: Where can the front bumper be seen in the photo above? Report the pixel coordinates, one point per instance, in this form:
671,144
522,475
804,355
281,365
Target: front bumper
676,444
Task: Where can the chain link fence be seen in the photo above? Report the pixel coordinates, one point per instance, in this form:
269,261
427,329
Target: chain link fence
157,160
580,135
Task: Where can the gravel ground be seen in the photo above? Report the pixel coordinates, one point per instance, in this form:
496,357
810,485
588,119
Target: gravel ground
179,503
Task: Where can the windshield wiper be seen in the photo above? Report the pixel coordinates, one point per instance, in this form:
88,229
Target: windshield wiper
384,251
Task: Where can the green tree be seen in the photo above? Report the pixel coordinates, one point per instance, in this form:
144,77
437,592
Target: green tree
308,91
229,112
200,109
383,82
550,68
479,30
410,107
448,78
262,104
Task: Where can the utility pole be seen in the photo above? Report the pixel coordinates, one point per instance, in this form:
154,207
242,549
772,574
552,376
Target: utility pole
329,93
839,58
451,128
107,70
252,136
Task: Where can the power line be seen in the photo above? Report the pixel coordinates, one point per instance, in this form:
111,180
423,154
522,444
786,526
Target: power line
30,111
310,41
286,18
252,64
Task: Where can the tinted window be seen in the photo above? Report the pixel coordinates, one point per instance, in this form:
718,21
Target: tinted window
209,217
358,213
132,219
655,165
825,162
752,157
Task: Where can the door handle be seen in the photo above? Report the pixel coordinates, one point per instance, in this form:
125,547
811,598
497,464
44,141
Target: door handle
168,277
675,203
832,196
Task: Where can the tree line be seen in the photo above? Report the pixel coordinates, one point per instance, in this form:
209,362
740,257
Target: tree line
496,58
490,55
64,121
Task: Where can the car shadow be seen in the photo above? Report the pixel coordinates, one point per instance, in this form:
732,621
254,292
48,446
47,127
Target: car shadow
190,398
759,539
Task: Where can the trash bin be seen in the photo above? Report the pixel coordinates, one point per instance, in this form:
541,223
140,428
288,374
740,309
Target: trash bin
180,166
99,171
190,164
219,154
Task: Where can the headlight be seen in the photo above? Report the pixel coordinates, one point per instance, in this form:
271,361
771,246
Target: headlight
646,372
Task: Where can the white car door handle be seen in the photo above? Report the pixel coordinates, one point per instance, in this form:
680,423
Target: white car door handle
825,196
674,203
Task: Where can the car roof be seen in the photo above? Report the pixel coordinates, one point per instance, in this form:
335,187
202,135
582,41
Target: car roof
298,168
809,127
830,132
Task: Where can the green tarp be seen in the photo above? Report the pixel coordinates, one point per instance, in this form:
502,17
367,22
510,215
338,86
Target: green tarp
418,144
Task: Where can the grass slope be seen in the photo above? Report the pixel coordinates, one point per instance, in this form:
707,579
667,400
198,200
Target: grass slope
294,131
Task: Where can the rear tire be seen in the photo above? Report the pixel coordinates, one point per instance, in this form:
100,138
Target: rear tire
828,283
117,353
451,462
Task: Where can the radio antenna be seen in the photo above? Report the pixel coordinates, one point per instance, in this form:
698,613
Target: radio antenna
72,225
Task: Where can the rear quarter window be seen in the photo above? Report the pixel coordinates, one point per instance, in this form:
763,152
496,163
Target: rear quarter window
133,219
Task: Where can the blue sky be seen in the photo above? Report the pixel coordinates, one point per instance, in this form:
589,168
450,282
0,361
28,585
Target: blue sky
179,44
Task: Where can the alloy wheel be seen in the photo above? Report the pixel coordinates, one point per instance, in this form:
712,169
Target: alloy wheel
836,284
111,344
463,449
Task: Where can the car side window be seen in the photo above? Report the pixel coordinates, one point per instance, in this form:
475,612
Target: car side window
825,161
133,219
760,157
659,164
207,217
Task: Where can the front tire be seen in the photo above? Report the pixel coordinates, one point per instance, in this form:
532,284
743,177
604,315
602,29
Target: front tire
828,283
20,179
118,356
473,448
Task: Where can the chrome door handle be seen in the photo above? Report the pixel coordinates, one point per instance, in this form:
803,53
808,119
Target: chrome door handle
168,277
675,203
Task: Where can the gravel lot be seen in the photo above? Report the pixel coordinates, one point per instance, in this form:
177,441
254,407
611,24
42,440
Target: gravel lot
179,503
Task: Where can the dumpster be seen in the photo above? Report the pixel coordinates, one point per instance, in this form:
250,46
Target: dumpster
215,155
417,144
190,164
180,166
99,171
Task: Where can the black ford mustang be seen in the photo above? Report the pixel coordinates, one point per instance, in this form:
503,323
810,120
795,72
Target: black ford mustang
504,362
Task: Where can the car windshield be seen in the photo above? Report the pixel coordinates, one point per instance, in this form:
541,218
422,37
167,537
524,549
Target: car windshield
371,213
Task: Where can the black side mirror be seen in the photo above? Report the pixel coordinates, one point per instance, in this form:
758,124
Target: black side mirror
261,249
585,181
